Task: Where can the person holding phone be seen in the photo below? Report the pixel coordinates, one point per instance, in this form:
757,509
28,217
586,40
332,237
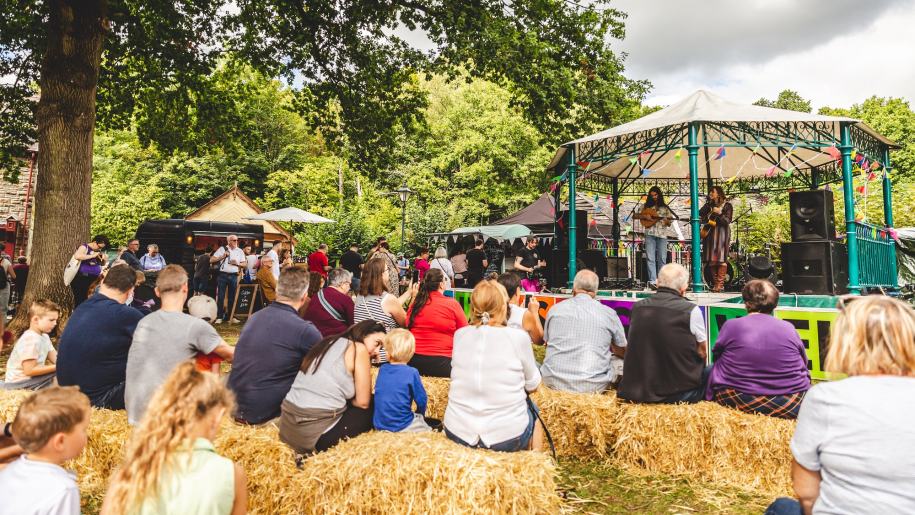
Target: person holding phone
92,259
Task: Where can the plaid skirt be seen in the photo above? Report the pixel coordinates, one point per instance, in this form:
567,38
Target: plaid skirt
780,406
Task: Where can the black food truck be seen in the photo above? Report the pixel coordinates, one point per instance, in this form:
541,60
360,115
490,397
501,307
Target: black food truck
181,241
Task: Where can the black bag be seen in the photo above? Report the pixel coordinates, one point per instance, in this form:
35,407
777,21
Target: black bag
4,278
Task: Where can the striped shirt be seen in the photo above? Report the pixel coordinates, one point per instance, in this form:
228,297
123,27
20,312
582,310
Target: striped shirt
370,308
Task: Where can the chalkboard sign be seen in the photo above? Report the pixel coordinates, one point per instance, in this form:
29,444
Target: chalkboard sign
247,301
494,255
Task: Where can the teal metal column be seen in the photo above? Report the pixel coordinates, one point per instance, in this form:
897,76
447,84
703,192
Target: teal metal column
573,240
693,149
848,192
887,190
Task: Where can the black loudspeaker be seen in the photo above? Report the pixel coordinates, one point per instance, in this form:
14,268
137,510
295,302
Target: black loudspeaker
581,230
595,261
815,267
812,215
617,268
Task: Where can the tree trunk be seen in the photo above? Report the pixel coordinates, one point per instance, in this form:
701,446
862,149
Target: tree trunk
66,122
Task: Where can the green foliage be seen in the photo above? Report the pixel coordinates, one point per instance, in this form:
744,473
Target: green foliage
787,99
892,117
125,183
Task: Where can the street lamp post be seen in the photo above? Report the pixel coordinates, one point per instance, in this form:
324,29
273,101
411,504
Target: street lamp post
403,193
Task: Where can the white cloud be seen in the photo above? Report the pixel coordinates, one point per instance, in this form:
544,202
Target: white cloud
834,53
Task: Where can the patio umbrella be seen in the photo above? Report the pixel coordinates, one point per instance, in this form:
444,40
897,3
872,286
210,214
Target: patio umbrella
291,214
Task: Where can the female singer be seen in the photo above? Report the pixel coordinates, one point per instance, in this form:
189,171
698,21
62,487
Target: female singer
716,217
656,219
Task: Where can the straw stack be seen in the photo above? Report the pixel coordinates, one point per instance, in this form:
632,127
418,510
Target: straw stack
703,441
374,473
426,473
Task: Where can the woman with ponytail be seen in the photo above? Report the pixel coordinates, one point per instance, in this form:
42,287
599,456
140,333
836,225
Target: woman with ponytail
493,370
171,465
331,397
433,319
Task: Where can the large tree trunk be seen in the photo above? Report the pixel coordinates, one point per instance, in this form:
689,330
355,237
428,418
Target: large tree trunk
66,122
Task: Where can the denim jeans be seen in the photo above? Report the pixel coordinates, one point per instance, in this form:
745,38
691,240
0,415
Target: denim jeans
785,506
692,396
656,253
226,285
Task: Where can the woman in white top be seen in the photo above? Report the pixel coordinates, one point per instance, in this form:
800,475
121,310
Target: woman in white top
854,444
492,371
442,262
518,317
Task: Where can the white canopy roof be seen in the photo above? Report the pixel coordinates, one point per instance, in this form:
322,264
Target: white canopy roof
291,214
703,106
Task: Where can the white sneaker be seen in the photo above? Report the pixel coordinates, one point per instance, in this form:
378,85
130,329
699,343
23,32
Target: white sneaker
235,321
218,321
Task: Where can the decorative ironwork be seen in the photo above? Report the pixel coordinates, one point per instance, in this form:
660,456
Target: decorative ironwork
876,256
814,135
606,150
866,144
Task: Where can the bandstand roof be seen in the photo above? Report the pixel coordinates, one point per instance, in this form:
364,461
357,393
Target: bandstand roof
755,141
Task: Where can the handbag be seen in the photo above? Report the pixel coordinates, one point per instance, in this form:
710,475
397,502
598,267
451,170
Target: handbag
70,270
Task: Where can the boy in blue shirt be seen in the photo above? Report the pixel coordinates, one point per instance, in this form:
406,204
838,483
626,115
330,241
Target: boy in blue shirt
398,386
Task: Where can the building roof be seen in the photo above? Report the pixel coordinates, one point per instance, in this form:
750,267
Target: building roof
235,206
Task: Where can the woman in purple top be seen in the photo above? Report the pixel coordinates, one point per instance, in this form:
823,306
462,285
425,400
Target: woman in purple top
760,365
91,258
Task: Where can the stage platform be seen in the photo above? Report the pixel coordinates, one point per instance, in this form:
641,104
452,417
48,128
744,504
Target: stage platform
811,315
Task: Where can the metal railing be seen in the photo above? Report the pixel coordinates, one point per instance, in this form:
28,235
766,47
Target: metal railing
876,256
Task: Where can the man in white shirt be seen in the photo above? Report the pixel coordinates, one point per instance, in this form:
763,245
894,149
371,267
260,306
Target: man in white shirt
230,259
274,253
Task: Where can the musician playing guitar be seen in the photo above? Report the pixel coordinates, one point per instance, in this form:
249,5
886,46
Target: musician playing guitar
656,218
527,261
715,217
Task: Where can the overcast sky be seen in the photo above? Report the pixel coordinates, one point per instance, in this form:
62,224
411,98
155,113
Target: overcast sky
833,52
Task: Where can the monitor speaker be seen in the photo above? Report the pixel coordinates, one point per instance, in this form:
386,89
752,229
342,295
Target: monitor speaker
815,267
595,261
812,215
581,230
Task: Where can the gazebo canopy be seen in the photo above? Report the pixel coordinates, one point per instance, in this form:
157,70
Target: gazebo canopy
740,141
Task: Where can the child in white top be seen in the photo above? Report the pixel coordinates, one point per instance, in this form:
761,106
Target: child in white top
28,367
50,426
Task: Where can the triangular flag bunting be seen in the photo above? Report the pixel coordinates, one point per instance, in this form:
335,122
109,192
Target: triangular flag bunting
834,153
633,160
771,172
677,154
854,154
721,153
861,189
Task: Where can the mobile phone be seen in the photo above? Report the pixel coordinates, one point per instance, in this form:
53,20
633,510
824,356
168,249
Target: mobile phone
415,276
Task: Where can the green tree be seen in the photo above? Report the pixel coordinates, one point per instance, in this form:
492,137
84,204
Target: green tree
126,188
111,61
787,99
892,117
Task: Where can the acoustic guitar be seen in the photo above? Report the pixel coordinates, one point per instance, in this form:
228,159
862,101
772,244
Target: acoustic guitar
707,228
649,217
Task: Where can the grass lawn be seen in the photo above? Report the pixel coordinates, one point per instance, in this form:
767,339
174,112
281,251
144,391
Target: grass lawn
597,487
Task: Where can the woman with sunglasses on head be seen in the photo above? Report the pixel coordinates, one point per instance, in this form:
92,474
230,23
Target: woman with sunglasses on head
854,444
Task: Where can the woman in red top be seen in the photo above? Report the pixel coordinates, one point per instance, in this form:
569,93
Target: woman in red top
433,319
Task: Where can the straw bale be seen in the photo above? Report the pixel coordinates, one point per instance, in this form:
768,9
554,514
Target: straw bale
708,442
426,473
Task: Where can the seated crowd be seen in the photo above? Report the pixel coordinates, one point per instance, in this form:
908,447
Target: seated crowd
304,363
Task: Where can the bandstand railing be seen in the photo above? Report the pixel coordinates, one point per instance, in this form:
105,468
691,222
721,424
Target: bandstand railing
876,256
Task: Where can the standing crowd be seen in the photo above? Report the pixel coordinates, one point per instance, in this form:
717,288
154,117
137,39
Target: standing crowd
304,363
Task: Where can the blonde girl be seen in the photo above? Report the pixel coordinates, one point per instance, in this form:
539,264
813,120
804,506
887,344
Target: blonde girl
492,371
854,444
171,465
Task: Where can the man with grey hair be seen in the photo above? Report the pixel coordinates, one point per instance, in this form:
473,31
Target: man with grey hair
331,309
666,359
270,350
585,341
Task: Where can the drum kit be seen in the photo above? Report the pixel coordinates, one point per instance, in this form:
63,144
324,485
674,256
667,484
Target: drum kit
744,267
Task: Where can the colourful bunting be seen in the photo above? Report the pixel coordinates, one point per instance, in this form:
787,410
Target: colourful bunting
859,217
875,165
792,149
557,178
645,172
788,172
861,189
834,153
854,154
771,171
633,160
553,187
874,233
677,154
756,149
592,222
584,164
894,235
645,153
721,153
871,176
864,164
731,179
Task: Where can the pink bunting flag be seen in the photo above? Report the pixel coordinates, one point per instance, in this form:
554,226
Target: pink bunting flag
834,153
861,189
553,187
894,235
771,171
721,153
871,176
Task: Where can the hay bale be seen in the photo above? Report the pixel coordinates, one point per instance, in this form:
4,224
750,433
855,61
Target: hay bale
708,442
432,473
426,473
